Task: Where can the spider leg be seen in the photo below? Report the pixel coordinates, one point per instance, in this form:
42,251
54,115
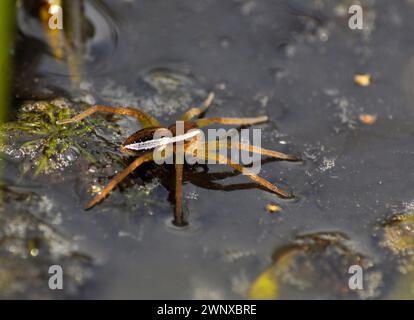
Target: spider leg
145,119
224,160
254,149
115,181
235,121
196,112
178,218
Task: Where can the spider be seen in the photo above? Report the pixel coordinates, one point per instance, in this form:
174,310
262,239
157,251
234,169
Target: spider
142,144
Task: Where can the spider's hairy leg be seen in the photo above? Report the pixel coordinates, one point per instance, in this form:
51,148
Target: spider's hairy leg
196,112
230,121
115,181
224,160
145,119
251,148
178,218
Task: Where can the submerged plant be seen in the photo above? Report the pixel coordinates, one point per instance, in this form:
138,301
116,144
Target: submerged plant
317,263
36,136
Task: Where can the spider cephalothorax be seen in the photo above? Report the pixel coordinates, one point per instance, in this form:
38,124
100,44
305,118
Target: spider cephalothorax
143,144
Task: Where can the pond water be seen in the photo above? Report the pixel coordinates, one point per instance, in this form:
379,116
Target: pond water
294,61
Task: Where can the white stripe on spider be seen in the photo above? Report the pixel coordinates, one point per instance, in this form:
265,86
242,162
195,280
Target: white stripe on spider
162,142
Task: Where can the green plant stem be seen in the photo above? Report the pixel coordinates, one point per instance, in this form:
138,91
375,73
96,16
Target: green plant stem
7,8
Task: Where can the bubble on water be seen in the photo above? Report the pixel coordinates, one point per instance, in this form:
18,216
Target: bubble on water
71,155
225,42
192,195
289,50
323,34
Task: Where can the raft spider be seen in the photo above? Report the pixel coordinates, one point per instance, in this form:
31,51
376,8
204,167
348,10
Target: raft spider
141,145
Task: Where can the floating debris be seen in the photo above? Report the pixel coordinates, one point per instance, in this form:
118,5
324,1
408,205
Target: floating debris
368,119
327,164
316,262
273,208
363,80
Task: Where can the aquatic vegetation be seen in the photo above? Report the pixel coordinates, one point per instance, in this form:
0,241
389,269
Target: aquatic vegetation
398,237
316,262
6,35
36,136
